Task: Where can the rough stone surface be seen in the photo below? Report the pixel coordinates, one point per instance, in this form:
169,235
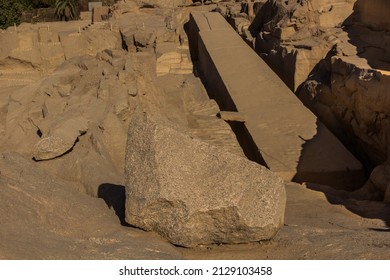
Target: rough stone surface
60,138
163,3
34,50
100,13
286,136
295,35
51,147
142,31
77,117
334,54
193,193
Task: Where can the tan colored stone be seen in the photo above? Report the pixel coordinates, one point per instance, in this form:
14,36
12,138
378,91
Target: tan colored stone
287,137
45,217
59,137
231,116
100,14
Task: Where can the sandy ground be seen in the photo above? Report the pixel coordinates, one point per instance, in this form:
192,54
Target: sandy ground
318,225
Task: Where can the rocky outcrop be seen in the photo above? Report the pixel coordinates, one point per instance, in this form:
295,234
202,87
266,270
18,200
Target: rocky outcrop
32,51
333,54
76,119
141,31
60,137
293,36
193,193
348,89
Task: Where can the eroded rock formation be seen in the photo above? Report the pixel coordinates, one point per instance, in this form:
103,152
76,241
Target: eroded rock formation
32,51
334,55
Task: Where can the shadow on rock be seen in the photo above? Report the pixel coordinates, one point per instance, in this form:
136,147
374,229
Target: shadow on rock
366,28
324,160
114,196
365,208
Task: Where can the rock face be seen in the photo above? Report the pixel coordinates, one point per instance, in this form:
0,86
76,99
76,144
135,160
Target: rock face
334,55
61,138
193,193
349,88
294,36
142,31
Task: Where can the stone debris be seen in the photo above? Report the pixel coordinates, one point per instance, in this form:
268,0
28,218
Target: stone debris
231,116
60,137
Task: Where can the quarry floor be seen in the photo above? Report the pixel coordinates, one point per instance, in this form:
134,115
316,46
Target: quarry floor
319,224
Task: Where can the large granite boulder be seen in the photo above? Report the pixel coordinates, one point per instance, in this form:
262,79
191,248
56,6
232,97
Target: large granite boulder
193,193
